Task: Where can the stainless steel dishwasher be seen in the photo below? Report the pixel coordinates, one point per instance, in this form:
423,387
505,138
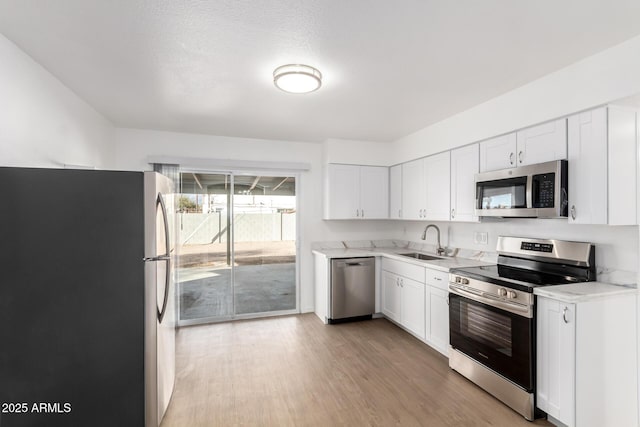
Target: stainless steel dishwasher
353,289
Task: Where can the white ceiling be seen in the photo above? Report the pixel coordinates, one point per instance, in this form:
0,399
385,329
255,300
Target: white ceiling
390,67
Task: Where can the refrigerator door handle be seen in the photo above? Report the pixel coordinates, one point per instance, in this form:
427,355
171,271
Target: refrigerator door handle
157,258
165,299
166,257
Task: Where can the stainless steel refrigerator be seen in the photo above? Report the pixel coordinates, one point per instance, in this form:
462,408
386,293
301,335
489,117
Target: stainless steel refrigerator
87,298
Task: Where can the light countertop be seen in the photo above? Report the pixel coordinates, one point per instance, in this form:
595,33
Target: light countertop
443,264
586,291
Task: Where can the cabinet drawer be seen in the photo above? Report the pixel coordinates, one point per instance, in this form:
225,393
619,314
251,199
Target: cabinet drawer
405,269
437,279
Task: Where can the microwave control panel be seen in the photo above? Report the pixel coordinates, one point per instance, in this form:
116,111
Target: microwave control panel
543,190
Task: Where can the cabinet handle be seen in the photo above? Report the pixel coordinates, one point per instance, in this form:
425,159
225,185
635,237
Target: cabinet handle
510,158
520,156
399,213
453,213
564,315
573,212
357,212
438,279
362,213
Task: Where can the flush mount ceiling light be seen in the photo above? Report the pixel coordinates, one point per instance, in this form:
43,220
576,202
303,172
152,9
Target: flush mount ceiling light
297,78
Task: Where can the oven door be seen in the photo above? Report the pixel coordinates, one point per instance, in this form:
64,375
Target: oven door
498,339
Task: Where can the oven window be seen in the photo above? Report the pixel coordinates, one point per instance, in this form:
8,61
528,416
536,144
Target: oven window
498,339
502,194
486,327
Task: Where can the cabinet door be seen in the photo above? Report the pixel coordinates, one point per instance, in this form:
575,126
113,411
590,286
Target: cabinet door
374,192
464,166
622,166
498,153
343,192
395,192
437,319
587,150
412,306
542,143
437,173
413,196
391,295
555,355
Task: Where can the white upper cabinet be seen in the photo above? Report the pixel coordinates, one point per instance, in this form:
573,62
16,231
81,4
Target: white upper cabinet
602,167
537,144
342,197
542,143
437,175
464,165
395,192
498,153
413,190
374,192
357,192
622,164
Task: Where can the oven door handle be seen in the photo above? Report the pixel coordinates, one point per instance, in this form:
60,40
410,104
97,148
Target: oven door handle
479,296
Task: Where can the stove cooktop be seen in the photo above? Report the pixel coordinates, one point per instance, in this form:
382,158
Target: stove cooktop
514,278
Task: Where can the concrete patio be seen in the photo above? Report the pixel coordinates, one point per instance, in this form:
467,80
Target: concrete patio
263,283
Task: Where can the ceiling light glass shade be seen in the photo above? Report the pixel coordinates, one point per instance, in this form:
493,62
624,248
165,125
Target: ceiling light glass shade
297,78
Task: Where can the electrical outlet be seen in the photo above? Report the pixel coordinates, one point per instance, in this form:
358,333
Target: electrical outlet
480,237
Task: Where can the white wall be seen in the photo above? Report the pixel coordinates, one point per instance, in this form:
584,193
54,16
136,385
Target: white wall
134,146
598,79
43,123
355,152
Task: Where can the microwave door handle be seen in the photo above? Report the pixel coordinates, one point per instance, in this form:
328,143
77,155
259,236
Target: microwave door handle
529,192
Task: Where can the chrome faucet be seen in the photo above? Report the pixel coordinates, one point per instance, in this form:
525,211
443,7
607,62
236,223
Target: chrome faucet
440,250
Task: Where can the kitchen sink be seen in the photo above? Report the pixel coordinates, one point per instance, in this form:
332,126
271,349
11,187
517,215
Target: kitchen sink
423,257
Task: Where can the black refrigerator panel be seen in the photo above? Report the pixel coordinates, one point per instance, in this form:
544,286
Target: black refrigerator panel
71,298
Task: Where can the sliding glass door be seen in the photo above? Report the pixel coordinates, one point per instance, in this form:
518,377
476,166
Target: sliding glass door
264,244
238,246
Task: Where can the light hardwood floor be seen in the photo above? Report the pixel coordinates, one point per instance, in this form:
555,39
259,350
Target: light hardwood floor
296,371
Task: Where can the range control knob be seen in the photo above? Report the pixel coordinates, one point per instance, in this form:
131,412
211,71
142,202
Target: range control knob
465,281
502,292
512,295
458,279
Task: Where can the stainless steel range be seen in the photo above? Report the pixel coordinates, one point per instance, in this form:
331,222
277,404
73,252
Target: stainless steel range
492,313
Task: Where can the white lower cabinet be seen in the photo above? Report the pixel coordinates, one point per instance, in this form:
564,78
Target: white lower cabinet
412,306
437,310
556,359
403,302
416,298
437,319
587,361
391,295
403,295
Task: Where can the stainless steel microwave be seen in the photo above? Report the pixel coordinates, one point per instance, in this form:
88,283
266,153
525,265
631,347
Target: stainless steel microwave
533,191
